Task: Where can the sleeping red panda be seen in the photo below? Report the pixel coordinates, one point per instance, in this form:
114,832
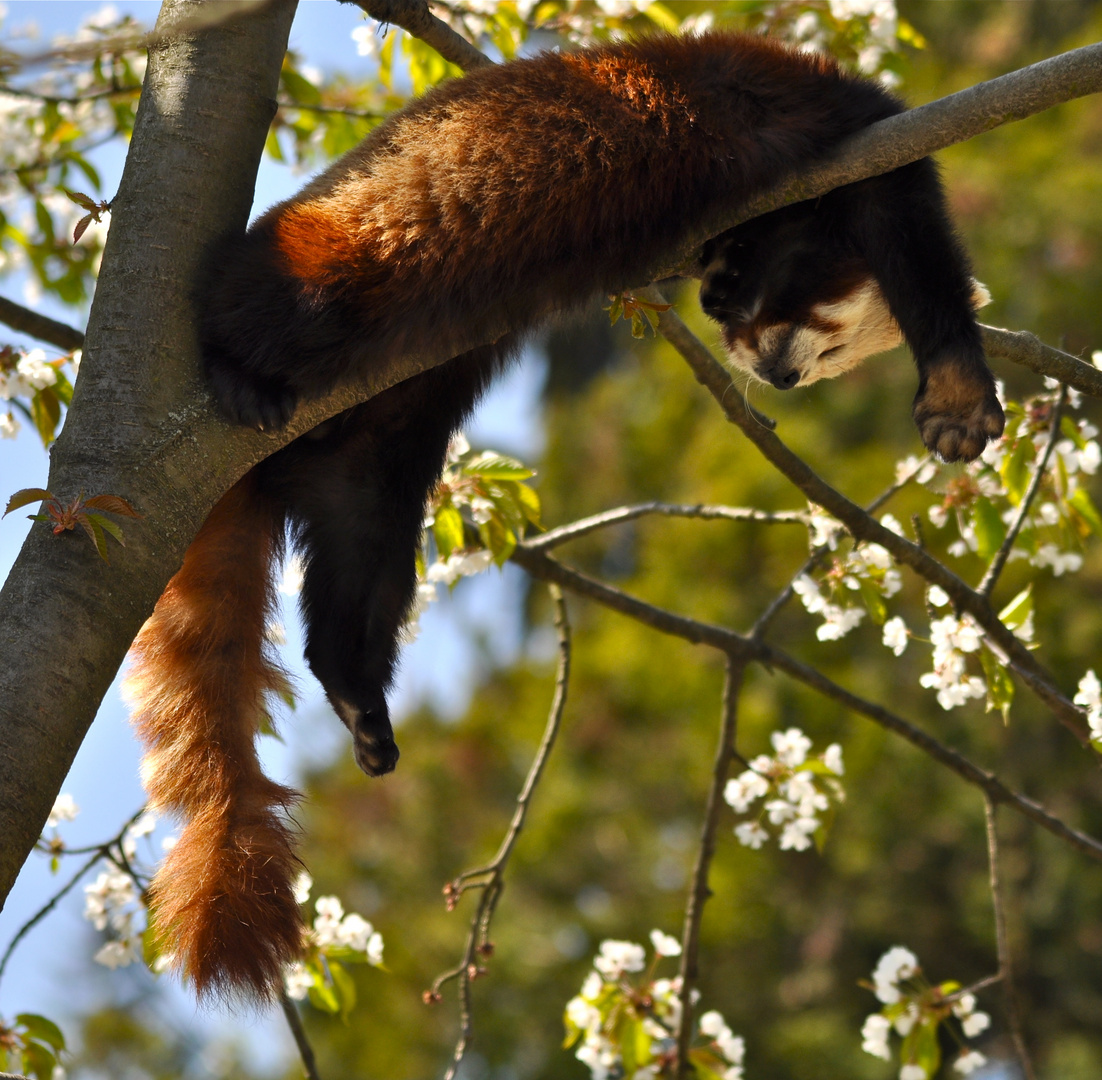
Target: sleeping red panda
494,200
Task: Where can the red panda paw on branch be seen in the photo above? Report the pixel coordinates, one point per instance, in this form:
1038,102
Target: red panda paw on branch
462,222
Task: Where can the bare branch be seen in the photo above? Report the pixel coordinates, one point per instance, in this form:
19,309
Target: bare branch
39,326
1022,347
1002,943
490,878
991,576
699,892
414,17
575,529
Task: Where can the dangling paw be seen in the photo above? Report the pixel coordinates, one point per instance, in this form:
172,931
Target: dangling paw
957,411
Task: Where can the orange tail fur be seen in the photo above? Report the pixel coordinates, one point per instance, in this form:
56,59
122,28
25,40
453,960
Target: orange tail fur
223,901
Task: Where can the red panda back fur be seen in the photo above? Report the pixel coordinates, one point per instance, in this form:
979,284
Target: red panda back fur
223,901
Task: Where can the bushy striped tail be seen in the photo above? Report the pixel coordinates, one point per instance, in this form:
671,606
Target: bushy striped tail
223,902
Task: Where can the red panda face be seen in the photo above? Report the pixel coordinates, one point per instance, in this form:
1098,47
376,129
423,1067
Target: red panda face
794,305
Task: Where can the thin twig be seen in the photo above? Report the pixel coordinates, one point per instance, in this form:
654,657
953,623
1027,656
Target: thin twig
618,515
991,576
75,99
1002,942
106,851
699,892
334,110
45,910
727,641
863,526
490,878
414,17
305,1050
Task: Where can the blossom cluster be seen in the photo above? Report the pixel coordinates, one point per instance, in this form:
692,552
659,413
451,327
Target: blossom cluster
867,573
335,937
913,1010
1090,697
114,901
866,32
801,789
984,497
22,375
628,1028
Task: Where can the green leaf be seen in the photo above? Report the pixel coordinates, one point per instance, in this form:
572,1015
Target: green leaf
491,466
1018,610
447,528
1000,687
662,16
634,1042
1015,470
299,87
1071,431
25,496
702,1065
990,530
95,534
1084,506
323,994
42,1029
870,594
38,1060
345,986
108,526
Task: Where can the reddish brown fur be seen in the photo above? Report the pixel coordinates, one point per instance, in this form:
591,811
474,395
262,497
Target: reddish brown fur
223,901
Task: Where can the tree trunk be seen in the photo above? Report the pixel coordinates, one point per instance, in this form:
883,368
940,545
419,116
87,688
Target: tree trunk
141,425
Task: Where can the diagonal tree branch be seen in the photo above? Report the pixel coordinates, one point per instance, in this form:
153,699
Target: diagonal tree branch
415,18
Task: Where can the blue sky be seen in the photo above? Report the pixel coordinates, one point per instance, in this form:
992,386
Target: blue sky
103,780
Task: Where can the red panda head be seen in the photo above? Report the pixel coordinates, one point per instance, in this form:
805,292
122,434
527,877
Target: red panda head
795,301
795,305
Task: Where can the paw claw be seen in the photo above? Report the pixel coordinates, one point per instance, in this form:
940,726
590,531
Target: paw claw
957,413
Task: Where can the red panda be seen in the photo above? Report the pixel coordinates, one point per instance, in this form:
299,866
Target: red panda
465,220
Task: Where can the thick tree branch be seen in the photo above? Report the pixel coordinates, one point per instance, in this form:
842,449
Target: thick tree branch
899,140
1022,347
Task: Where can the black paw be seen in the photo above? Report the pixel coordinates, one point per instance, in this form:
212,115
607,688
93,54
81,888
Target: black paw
373,744
957,412
264,404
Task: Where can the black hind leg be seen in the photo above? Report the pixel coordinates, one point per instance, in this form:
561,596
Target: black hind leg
355,493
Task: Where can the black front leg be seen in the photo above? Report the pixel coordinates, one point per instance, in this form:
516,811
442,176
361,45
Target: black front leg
903,230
